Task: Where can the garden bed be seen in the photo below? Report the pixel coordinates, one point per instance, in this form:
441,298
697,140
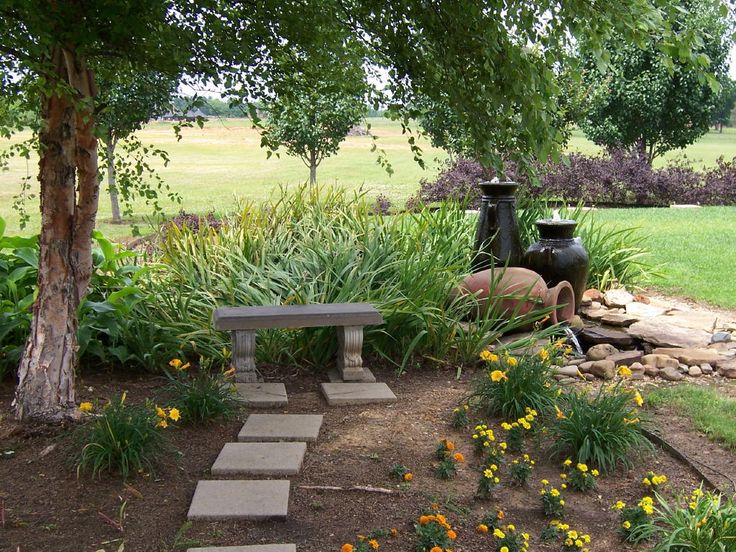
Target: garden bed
46,507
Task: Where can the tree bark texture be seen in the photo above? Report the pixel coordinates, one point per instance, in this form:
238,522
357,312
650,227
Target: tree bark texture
312,167
111,182
68,157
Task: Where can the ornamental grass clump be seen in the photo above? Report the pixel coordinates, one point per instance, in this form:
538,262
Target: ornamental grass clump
553,501
202,394
702,522
434,533
580,477
603,431
512,385
507,539
123,438
521,469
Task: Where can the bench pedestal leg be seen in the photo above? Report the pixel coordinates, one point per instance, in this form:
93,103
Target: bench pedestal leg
349,352
244,356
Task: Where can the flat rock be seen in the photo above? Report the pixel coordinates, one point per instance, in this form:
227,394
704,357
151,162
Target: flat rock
584,367
576,323
625,358
617,298
720,337
694,371
706,368
671,374
239,500
251,548
568,371
604,369
616,338
601,351
643,310
593,294
356,393
659,361
696,320
263,395
690,356
575,361
335,377
651,371
660,331
595,314
280,427
618,319
259,459
728,369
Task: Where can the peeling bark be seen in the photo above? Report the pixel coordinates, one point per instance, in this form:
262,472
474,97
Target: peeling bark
45,388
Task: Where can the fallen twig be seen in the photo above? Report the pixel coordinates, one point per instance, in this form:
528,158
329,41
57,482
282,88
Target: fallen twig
110,521
363,488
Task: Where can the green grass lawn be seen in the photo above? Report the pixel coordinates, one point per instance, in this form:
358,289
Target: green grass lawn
216,167
693,249
711,412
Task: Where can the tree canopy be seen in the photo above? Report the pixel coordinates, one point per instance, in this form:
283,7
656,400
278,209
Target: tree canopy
651,103
490,62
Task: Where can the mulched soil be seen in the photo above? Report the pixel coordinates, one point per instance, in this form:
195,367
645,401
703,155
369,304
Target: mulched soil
45,506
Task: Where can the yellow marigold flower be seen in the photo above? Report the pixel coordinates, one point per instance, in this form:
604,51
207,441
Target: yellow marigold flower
496,480
373,543
572,534
626,524
458,457
160,412
511,361
586,539
482,528
511,527
440,518
451,535
554,492
567,462
86,406
498,375
646,482
638,399
624,371
620,505
504,549
503,445
499,534
562,502
174,414
347,547
506,426
163,424
595,472
563,476
408,476
563,486
500,515
568,542
545,482
582,467
578,543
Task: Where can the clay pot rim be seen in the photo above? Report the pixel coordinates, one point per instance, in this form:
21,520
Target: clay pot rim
563,294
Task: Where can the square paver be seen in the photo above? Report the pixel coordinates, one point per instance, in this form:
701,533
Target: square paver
263,395
251,548
280,427
356,393
335,377
259,459
236,500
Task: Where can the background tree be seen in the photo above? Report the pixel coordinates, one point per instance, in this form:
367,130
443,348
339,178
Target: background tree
490,63
725,104
126,101
648,103
315,105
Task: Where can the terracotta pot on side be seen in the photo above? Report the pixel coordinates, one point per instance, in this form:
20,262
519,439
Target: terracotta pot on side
520,291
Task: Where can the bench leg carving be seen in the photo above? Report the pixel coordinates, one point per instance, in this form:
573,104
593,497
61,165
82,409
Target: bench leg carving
349,352
244,356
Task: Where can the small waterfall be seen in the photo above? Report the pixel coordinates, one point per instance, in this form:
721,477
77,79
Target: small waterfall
556,214
574,340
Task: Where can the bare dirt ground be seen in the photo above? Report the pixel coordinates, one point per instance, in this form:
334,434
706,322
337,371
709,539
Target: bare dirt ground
45,506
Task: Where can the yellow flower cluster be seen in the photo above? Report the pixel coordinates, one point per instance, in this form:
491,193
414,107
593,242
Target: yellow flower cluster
576,541
695,497
178,365
624,371
490,473
647,505
164,413
620,505
652,480
86,407
488,356
508,534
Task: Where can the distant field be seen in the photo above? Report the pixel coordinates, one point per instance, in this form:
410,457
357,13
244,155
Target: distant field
215,167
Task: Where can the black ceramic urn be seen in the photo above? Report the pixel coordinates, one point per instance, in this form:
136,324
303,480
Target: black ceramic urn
497,241
559,256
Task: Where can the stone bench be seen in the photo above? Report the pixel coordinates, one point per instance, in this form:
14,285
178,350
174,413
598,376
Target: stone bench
349,318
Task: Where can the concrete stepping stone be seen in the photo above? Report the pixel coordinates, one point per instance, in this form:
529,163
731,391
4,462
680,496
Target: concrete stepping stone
356,393
251,548
238,500
263,395
259,459
280,427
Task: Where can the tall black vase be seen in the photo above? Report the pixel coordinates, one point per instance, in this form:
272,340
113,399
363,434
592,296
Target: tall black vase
497,240
559,256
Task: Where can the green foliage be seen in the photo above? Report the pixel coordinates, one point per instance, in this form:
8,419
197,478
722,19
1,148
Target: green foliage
446,469
122,438
601,431
201,394
460,417
320,246
488,481
512,385
433,530
508,537
521,469
636,522
582,478
553,501
726,104
703,522
651,103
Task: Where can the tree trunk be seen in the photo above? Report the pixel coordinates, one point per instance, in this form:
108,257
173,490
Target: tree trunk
111,184
312,167
68,149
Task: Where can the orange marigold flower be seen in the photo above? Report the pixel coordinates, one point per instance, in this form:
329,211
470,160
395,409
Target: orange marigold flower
373,543
449,445
347,547
451,535
482,528
423,520
435,549
408,476
458,457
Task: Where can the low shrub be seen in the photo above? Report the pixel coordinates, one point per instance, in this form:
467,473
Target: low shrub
602,431
553,501
512,385
705,522
201,393
123,438
433,531
636,521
